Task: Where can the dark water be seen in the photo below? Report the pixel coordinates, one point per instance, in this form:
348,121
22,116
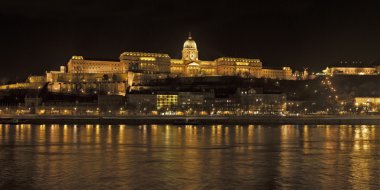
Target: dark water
189,157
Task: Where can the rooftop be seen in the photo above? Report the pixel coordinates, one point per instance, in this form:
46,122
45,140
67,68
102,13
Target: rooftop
359,64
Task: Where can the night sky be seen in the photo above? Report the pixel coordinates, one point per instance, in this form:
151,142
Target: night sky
36,36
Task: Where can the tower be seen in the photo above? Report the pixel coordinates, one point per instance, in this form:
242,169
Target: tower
189,51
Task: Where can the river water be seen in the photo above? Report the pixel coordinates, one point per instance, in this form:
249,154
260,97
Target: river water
189,157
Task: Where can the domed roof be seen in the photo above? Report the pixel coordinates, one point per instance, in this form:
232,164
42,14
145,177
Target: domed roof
190,43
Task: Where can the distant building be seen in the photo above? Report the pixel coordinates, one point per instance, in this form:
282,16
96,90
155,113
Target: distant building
191,101
242,102
353,68
167,101
367,100
367,104
147,63
78,65
284,73
254,102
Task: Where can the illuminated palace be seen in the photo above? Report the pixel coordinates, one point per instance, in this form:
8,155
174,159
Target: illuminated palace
189,65
138,68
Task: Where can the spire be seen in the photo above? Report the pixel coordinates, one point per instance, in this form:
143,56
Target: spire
190,36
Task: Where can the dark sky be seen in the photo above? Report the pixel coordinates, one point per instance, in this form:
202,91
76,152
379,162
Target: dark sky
36,36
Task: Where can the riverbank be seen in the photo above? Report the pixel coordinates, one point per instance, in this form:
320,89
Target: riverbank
198,120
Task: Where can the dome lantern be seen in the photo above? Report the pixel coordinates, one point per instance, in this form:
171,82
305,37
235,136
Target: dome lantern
189,43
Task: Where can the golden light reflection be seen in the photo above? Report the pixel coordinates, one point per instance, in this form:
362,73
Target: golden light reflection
109,135
251,132
25,131
167,134
65,134
190,135
144,135
360,167
154,133
239,133
42,128
227,135
219,129
306,139
327,150
361,137
216,134
329,136
17,127
97,133
121,134
286,142
75,134
286,131
328,131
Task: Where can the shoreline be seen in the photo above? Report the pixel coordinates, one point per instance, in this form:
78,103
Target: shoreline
195,120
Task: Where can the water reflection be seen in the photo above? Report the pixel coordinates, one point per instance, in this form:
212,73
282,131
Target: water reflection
195,157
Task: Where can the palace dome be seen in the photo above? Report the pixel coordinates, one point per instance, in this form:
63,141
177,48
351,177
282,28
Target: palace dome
190,44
